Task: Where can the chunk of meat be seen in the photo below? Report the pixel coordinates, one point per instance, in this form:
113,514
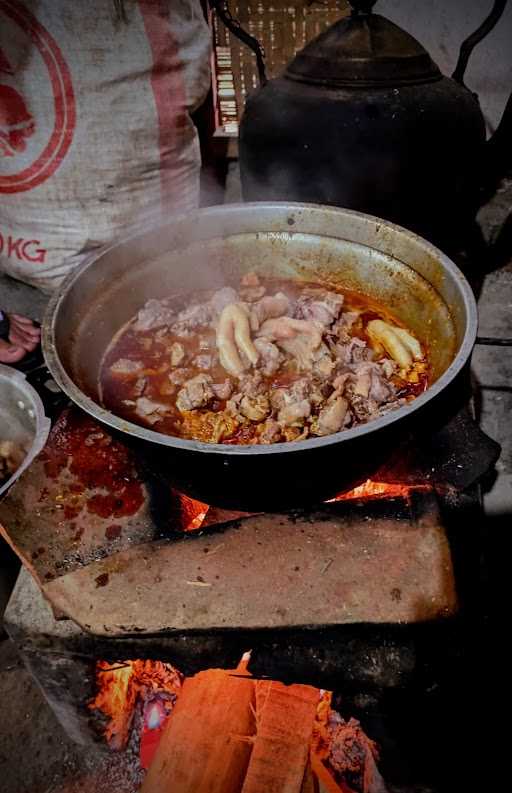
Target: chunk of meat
355,350
234,338
255,408
323,362
401,346
252,385
269,307
178,354
223,390
294,412
154,314
362,407
270,356
331,418
319,305
192,317
302,348
222,298
297,391
284,328
343,327
126,368
203,361
178,376
298,337
370,382
388,367
269,432
208,426
292,403
150,411
196,393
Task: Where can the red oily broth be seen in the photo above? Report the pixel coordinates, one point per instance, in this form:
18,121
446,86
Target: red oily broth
152,348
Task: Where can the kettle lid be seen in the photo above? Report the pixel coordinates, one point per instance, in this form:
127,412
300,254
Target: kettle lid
363,50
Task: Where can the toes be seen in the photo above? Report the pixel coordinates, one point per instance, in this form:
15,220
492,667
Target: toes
10,353
21,320
20,338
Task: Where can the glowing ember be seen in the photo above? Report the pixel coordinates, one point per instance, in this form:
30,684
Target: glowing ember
370,489
155,714
343,759
120,687
194,512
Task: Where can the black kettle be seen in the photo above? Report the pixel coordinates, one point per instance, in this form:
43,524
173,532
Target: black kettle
363,118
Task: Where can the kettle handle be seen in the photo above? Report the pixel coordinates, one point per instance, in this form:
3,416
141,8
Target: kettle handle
470,43
233,25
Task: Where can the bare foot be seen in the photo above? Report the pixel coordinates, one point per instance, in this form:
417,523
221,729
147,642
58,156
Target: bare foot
23,338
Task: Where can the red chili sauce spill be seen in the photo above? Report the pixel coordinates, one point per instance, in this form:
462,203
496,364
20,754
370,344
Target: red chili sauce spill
95,461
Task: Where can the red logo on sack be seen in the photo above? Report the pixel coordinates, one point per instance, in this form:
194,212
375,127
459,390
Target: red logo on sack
18,121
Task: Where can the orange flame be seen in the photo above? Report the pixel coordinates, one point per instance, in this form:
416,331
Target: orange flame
371,489
195,514
119,687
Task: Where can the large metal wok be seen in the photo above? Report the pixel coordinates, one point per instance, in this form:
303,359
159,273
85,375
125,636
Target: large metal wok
215,246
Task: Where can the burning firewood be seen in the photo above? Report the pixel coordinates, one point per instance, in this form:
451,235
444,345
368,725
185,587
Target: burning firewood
200,750
309,783
285,716
231,734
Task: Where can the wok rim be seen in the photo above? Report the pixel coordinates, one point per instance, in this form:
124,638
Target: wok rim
66,383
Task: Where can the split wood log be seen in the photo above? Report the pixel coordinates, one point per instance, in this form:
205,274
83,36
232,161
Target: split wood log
284,725
309,783
202,749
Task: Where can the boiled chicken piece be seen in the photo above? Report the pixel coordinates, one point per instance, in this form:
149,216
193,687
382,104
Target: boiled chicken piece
177,354
294,412
150,411
234,338
223,390
270,356
196,393
154,314
192,317
222,298
269,307
398,343
331,418
298,337
319,305
255,408
270,431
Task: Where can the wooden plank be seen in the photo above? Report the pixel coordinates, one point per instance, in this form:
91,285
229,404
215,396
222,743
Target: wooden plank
284,717
204,748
